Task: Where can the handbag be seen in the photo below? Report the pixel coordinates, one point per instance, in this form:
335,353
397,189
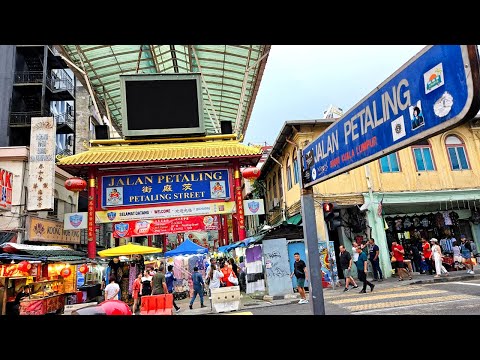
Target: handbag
232,278
207,280
393,259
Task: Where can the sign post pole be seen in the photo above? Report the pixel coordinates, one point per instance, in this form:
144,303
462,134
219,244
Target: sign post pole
317,304
92,241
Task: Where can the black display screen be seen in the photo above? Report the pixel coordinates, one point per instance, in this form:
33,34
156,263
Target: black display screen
162,104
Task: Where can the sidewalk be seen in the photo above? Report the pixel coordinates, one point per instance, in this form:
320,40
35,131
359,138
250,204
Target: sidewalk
250,301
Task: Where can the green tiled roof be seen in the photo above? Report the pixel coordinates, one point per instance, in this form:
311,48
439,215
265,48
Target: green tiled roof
232,74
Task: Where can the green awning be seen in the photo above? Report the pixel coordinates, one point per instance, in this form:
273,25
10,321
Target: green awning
295,220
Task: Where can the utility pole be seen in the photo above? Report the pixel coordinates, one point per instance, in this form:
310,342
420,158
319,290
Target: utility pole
317,304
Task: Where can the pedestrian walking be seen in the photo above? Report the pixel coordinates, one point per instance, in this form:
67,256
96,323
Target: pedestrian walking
398,252
437,258
362,268
346,264
466,252
137,284
159,284
300,272
112,289
146,286
169,279
427,254
197,287
374,253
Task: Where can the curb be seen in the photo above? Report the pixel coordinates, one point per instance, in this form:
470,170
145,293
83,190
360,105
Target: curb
447,279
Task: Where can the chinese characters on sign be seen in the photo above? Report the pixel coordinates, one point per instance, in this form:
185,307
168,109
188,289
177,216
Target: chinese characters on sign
41,166
165,188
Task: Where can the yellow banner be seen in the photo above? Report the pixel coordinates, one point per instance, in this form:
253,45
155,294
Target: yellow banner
159,212
51,231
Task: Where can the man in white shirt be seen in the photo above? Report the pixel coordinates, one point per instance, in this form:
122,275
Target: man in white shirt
112,289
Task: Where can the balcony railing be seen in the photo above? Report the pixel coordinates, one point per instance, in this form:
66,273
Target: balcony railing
60,81
19,118
65,118
23,118
28,77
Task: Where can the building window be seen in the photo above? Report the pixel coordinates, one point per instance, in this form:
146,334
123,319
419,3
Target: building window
289,175
422,153
389,163
274,185
69,205
280,187
457,153
54,212
295,167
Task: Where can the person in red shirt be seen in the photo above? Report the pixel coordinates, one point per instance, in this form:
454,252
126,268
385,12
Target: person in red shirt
398,252
136,292
226,270
427,253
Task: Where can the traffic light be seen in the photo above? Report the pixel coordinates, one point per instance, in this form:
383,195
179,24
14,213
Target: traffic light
332,216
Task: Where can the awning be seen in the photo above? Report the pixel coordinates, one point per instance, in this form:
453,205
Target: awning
6,236
243,243
129,249
116,154
295,220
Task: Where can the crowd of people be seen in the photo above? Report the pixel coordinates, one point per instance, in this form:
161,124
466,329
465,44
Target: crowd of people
428,258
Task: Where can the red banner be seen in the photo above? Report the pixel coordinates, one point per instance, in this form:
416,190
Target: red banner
165,226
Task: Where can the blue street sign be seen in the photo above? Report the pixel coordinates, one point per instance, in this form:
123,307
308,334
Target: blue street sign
434,91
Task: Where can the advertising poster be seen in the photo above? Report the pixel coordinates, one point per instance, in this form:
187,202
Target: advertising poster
329,269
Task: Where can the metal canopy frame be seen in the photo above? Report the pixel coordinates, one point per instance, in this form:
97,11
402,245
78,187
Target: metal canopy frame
231,75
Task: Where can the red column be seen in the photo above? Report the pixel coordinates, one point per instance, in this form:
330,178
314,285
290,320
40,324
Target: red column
164,243
92,241
225,230
220,230
239,202
235,226
149,238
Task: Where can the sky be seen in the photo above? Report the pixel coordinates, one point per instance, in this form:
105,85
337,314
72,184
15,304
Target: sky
301,81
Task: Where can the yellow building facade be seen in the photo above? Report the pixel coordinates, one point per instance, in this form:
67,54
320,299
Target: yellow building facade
438,174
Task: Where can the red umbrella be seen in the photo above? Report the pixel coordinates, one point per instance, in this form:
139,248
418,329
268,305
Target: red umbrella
115,307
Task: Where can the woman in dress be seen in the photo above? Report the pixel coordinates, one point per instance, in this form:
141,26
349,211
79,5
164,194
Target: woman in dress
437,258
146,286
137,284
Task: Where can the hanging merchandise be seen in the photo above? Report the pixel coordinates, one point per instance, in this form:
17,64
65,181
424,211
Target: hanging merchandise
398,223
416,221
454,218
439,220
424,221
407,223
447,219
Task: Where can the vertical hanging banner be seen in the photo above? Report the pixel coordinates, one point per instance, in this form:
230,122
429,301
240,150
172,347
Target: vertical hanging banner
6,179
41,166
433,92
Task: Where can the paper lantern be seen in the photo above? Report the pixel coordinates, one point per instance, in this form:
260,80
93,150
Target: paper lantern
83,269
251,173
65,272
24,266
75,184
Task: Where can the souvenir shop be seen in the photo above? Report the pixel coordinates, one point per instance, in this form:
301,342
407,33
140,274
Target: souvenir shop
445,221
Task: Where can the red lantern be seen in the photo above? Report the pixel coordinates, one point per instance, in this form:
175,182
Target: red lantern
24,266
251,173
83,269
75,184
65,272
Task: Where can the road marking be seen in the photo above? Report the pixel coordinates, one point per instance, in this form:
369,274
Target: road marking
465,283
366,297
241,313
353,292
414,306
391,304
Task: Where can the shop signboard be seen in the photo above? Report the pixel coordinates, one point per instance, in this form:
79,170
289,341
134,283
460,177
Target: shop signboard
254,207
50,231
136,228
74,221
434,91
162,212
41,164
165,187
6,186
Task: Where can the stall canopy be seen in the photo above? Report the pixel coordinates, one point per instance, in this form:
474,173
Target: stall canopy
243,243
12,251
187,248
129,249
